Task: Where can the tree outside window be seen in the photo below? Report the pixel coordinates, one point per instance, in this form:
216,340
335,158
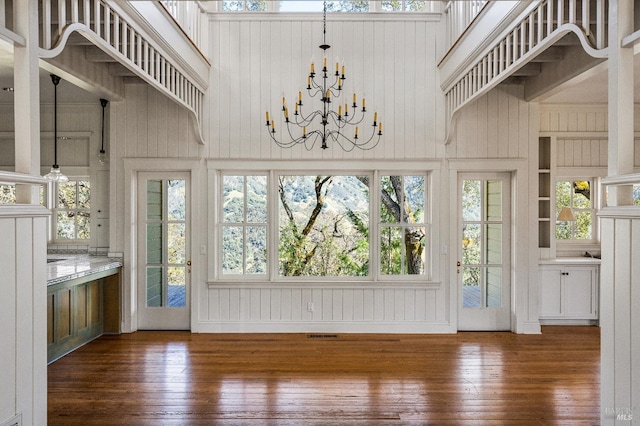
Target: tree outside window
72,210
575,195
402,229
324,226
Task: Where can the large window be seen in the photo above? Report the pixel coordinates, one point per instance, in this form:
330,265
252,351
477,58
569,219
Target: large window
324,225
575,210
72,210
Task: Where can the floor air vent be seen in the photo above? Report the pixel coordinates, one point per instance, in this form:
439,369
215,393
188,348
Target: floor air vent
322,336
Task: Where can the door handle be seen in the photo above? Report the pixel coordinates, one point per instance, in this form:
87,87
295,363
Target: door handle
458,265
188,263
188,266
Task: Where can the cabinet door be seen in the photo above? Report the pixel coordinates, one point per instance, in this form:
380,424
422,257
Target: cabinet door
550,292
580,292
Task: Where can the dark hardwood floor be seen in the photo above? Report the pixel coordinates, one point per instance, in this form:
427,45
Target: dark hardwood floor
479,378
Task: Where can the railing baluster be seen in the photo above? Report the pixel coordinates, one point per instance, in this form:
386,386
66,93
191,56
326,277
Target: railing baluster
75,14
46,24
62,15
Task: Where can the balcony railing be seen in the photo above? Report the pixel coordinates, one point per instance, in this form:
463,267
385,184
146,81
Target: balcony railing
542,25
459,15
187,14
105,24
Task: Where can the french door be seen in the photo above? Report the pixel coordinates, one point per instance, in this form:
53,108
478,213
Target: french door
484,260
164,267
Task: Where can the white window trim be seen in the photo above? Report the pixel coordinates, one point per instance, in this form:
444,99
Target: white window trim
53,189
596,205
374,168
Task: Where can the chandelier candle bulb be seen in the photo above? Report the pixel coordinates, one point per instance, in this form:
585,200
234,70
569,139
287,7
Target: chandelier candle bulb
267,114
300,97
304,132
339,111
356,136
346,113
375,118
380,128
363,105
324,64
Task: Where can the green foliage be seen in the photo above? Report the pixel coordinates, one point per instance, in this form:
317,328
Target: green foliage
323,226
72,211
348,6
7,194
575,195
244,5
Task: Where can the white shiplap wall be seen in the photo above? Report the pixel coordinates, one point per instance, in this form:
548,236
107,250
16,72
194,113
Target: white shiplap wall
255,61
499,124
23,314
363,308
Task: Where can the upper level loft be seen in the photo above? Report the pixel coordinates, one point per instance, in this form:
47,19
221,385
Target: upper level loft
545,45
159,43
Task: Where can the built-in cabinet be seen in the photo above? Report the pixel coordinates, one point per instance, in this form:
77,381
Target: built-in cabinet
569,291
81,309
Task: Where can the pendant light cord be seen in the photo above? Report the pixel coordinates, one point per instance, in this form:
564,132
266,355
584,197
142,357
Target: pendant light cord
55,80
104,103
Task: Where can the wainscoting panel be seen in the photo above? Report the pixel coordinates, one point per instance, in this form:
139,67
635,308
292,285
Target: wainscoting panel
358,308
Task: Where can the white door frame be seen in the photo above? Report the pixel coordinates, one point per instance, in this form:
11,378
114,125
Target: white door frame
484,318
524,238
132,166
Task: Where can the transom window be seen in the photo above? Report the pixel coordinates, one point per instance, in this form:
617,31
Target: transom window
332,6
72,210
323,225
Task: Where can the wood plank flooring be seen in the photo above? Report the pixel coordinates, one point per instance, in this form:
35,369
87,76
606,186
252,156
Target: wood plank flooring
479,378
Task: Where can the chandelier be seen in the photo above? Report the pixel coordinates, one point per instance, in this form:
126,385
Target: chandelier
338,122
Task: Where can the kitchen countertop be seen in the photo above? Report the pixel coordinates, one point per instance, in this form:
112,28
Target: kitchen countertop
65,267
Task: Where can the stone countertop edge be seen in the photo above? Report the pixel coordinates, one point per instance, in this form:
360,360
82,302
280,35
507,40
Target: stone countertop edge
72,266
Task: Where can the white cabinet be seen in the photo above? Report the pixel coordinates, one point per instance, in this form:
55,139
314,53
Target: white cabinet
569,292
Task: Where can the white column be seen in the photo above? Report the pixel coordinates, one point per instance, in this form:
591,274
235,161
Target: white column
27,98
620,230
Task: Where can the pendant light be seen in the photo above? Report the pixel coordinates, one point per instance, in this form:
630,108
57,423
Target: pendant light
55,175
102,155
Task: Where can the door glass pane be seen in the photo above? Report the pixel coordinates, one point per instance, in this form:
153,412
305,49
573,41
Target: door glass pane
471,295
494,200
471,244
154,200
154,287
471,200
67,195
494,287
256,250
154,243
493,235
176,199
176,239
176,291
